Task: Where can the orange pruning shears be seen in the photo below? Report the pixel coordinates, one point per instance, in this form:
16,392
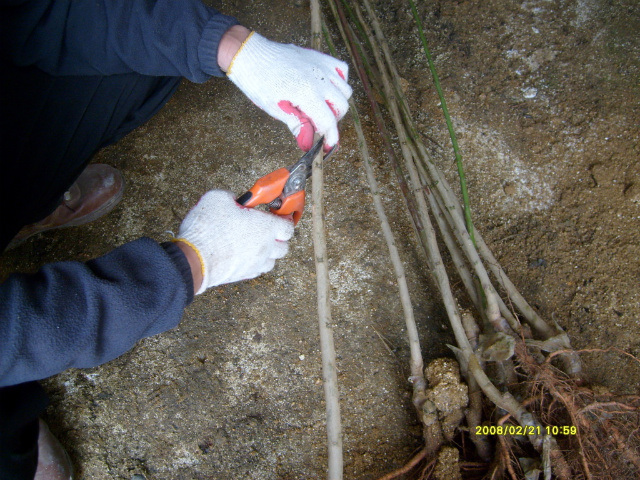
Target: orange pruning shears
283,190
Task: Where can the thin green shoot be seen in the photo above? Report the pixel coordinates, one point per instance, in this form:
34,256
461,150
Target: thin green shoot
452,133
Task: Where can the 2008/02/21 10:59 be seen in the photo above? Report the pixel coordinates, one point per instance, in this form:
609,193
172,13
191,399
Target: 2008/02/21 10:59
525,430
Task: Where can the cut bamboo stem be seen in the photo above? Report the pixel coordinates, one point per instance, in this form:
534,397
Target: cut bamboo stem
412,330
433,252
491,309
440,185
417,364
468,359
329,369
571,362
379,120
435,260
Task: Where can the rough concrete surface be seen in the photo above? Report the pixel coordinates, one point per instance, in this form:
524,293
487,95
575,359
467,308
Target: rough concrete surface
544,95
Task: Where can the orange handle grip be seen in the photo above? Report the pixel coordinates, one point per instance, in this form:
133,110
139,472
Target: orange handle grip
266,189
293,204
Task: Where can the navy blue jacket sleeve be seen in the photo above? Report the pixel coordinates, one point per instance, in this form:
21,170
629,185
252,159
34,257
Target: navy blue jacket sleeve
73,314
104,37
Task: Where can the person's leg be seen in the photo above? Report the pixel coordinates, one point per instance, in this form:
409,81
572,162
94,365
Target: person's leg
50,127
20,407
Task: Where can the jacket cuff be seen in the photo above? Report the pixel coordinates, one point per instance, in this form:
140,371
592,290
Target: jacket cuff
210,41
181,263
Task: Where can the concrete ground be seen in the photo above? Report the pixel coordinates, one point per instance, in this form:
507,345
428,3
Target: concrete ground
544,95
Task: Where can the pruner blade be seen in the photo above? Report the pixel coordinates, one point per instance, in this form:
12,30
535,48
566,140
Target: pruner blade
283,189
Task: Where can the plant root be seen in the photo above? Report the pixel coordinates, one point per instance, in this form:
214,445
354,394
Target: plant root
598,432
411,464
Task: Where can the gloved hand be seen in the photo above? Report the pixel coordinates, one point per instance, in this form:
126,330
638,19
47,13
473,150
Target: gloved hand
233,242
305,89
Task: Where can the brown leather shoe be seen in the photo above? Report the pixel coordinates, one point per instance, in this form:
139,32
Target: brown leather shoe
96,192
53,461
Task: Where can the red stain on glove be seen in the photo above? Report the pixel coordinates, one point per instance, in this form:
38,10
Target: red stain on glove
307,128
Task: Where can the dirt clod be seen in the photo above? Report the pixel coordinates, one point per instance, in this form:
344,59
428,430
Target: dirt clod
447,393
448,464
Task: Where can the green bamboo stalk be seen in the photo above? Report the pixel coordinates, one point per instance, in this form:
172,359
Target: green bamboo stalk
452,133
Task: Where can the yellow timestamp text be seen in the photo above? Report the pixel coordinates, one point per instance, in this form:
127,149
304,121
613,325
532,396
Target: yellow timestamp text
525,430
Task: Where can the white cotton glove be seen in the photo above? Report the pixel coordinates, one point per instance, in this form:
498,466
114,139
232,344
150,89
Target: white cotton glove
233,242
305,89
